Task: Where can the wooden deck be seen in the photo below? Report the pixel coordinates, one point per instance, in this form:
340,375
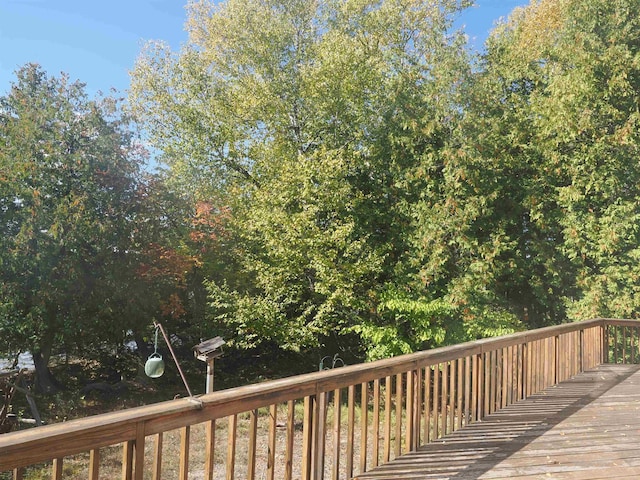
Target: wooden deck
585,428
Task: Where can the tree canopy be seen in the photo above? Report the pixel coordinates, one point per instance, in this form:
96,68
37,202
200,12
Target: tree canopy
340,176
383,183
76,222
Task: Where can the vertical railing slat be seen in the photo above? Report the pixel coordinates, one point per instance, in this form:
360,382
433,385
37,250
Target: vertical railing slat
94,464
417,407
156,474
232,433
271,446
185,440
335,472
307,438
350,429
364,425
467,391
139,452
427,405
291,425
408,432
253,438
127,460
319,436
436,401
387,419
459,393
399,395
209,450
56,469
452,394
375,454
444,398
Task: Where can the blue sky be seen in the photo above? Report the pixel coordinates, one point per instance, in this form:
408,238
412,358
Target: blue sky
97,41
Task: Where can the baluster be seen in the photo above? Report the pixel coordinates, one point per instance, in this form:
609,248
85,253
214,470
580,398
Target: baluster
185,438
271,448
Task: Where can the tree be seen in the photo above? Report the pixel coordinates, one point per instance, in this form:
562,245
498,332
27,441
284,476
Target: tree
538,213
69,177
585,106
313,124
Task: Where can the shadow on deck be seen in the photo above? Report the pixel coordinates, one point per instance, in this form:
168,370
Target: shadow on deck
585,428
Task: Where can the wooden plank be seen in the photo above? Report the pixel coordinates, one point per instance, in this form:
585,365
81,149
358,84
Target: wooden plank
139,452
459,393
527,372
504,374
351,393
417,407
375,434
520,386
185,442
156,473
476,408
494,382
271,444
253,438
56,469
232,433
337,414
319,436
127,460
288,465
466,413
478,388
486,383
444,398
94,464
399,396
307,438
18,474
408,417
436,400
426,435
387,419
209,450
580,429
452,394
514,368
364,425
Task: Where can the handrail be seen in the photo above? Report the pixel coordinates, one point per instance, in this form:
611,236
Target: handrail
502,359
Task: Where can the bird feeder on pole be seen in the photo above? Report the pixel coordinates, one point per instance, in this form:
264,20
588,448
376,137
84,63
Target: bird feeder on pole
208,351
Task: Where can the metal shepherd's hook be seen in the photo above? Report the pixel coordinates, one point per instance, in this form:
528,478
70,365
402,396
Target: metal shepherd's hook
158,325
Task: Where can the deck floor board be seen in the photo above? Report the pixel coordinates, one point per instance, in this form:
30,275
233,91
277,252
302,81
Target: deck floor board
586,428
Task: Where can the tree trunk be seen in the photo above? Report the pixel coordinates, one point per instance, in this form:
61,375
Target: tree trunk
45,381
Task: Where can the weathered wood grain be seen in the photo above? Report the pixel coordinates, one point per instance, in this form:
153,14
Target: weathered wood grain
586,428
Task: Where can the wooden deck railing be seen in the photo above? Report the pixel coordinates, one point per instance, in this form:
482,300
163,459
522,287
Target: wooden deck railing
331,424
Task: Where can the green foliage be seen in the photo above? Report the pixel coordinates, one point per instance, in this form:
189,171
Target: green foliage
406,325
76,220
582,100
309,121
378,182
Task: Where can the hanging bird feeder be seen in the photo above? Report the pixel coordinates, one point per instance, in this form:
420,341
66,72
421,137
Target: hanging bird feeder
154,366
